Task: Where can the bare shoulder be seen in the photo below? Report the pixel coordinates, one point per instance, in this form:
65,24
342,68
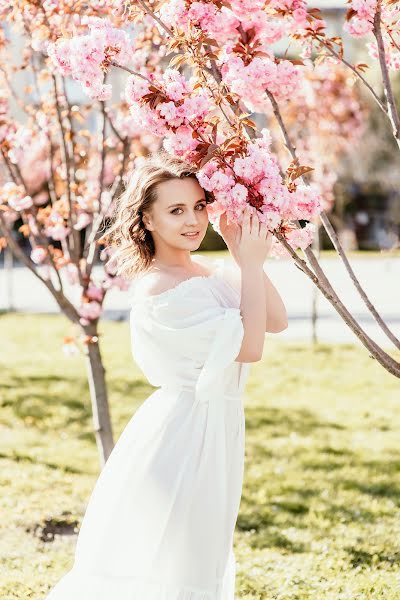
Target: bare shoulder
153,283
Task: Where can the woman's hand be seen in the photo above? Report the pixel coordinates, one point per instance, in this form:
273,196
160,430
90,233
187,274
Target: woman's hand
254,242
230,234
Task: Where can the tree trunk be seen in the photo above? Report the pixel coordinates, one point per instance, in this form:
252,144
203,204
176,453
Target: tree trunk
98,394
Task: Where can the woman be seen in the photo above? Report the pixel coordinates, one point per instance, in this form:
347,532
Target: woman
160,521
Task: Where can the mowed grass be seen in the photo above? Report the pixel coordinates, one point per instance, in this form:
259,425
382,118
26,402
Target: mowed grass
320,511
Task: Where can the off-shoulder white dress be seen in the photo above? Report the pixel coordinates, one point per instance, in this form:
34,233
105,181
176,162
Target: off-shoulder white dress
160,521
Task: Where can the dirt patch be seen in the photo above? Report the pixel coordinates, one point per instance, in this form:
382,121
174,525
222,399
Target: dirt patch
47,529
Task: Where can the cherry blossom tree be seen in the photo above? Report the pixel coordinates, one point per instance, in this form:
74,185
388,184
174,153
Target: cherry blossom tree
223,69
59,178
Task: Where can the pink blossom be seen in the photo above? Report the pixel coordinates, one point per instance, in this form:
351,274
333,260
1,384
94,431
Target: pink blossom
94,292
220,181
300,15
175,84
244,8
216,23
38,255
83,56
135,89
13,194
171,113
89,311
301,238
297,238
57,231
149,119
358,27
270,216
180,143
119,282
250,81
306,203
239,194
20,203
195,107
84,219
71,273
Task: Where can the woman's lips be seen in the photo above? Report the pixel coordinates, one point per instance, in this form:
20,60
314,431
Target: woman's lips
191,235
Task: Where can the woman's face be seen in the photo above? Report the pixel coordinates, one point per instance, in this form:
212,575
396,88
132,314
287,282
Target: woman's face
180,208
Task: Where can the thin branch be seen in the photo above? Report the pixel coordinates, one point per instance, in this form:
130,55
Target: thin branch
391,365
102,150
100,216
68,309
387,85
75,237
332,234
354,70
41,237
114,129
148,10
71,129
115,64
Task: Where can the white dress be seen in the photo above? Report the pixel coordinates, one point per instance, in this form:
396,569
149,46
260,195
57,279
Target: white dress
160,521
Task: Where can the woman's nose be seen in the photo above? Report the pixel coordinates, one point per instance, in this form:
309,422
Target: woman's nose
192,218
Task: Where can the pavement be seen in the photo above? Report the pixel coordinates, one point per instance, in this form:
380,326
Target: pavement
379,276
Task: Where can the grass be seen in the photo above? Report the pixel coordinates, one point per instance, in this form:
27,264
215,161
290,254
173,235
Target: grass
320,511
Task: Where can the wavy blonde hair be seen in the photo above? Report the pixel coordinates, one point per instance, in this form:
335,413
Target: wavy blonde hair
133,242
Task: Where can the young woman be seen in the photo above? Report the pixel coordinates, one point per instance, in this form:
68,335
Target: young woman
160,521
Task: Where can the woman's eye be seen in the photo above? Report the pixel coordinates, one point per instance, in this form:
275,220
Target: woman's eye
175,209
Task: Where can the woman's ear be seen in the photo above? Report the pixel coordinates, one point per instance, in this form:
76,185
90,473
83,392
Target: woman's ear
147,221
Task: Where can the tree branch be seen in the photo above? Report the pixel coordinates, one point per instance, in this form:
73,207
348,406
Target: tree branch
332,234
387,85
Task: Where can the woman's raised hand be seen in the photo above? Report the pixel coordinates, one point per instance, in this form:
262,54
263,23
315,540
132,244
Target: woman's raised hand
254,241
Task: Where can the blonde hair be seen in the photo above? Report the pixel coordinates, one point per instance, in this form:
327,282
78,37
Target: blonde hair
134,243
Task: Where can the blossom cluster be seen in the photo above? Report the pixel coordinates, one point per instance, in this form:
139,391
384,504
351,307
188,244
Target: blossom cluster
246,75
256,176
282,79
179,107
362,23
85,57
224,22
14,195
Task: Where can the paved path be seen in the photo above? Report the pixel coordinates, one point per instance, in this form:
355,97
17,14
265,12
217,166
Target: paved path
380,277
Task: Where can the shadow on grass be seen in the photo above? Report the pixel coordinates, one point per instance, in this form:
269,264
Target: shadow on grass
17,457
360,557
282,422
379,489
269,510
36,399
264,532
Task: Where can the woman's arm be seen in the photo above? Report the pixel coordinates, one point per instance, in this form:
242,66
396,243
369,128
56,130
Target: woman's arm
276,315
253,311
276,320
251,246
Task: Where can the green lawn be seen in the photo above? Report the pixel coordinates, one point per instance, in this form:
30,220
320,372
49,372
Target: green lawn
320,511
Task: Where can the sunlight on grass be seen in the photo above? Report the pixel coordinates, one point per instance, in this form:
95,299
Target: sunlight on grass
319,516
